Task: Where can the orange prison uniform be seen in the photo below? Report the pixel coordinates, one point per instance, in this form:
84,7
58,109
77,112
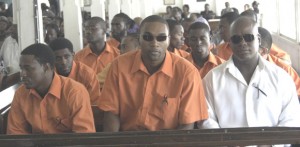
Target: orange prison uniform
211,63
224,51
97,63
102,75
287,68
113,42
281,54
164,100
181,53
65,108
86,76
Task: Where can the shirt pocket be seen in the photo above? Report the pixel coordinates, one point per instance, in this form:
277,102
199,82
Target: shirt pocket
62,125
165,109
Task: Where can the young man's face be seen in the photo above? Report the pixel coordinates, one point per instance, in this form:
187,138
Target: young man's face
32,72
154,41
199,41
177,38
63,61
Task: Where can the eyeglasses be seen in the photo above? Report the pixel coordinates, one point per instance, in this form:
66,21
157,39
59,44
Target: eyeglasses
158,38
236,39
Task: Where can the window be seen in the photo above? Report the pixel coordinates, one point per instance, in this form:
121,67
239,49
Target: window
287,18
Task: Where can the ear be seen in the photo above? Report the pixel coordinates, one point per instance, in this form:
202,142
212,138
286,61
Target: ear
73,54
47,67
259,39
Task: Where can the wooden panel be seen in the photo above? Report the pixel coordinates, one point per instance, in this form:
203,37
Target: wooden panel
208,137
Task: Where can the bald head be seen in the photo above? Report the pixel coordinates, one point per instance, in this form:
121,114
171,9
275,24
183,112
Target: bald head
153,18
243,23
244,39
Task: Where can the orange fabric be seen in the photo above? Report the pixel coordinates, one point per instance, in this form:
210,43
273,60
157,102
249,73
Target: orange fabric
102,75
64,109
211,63
86,76
113,42
181,53
281,54
171,96
224,51
97,63
288,69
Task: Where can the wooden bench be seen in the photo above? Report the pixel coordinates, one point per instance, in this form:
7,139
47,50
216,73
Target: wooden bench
207,137
6,97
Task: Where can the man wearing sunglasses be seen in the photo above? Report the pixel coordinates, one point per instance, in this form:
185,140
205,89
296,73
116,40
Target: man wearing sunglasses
247,90
152,89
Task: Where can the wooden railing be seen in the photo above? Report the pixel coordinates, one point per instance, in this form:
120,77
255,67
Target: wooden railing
207,137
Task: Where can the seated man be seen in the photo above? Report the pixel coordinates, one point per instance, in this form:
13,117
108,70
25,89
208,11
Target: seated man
128,43
152,89
98,53
207,14
67,67
264,50
46,102
223,50
275,51
176,38
247,90
199,41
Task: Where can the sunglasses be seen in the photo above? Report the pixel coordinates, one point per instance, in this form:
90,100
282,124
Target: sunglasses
236,39
158,38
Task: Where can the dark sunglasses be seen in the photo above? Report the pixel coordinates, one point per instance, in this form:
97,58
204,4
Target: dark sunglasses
236,39
158,38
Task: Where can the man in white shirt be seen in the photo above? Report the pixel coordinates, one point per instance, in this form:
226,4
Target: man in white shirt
247,90
10,51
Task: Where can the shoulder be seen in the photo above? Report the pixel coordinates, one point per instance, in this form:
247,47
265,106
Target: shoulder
71,87
181,64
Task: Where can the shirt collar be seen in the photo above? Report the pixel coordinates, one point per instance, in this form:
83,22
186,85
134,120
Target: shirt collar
166,67
73,73
55,87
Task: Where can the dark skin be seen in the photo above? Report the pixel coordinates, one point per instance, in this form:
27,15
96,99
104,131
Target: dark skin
153,55
35,75
245,54
95,34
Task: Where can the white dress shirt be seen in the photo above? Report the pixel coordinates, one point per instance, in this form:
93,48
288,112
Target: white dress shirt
10,53
269,100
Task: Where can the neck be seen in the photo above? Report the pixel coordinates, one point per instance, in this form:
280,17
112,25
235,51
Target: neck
43,89
200,61
97,47
152,66
171,49
246,67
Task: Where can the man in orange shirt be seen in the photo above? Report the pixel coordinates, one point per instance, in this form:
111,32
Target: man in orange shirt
176,38
201,57
46,102
274,51
119,27
223,50
265,47
65,66
186,23
128,43
98,53
152,89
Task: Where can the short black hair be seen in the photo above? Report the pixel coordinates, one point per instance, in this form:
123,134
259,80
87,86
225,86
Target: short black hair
42,53
266,37
187,6
128,21
172,23
153,18
230,16
199,25
98,20
61,43
250,13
